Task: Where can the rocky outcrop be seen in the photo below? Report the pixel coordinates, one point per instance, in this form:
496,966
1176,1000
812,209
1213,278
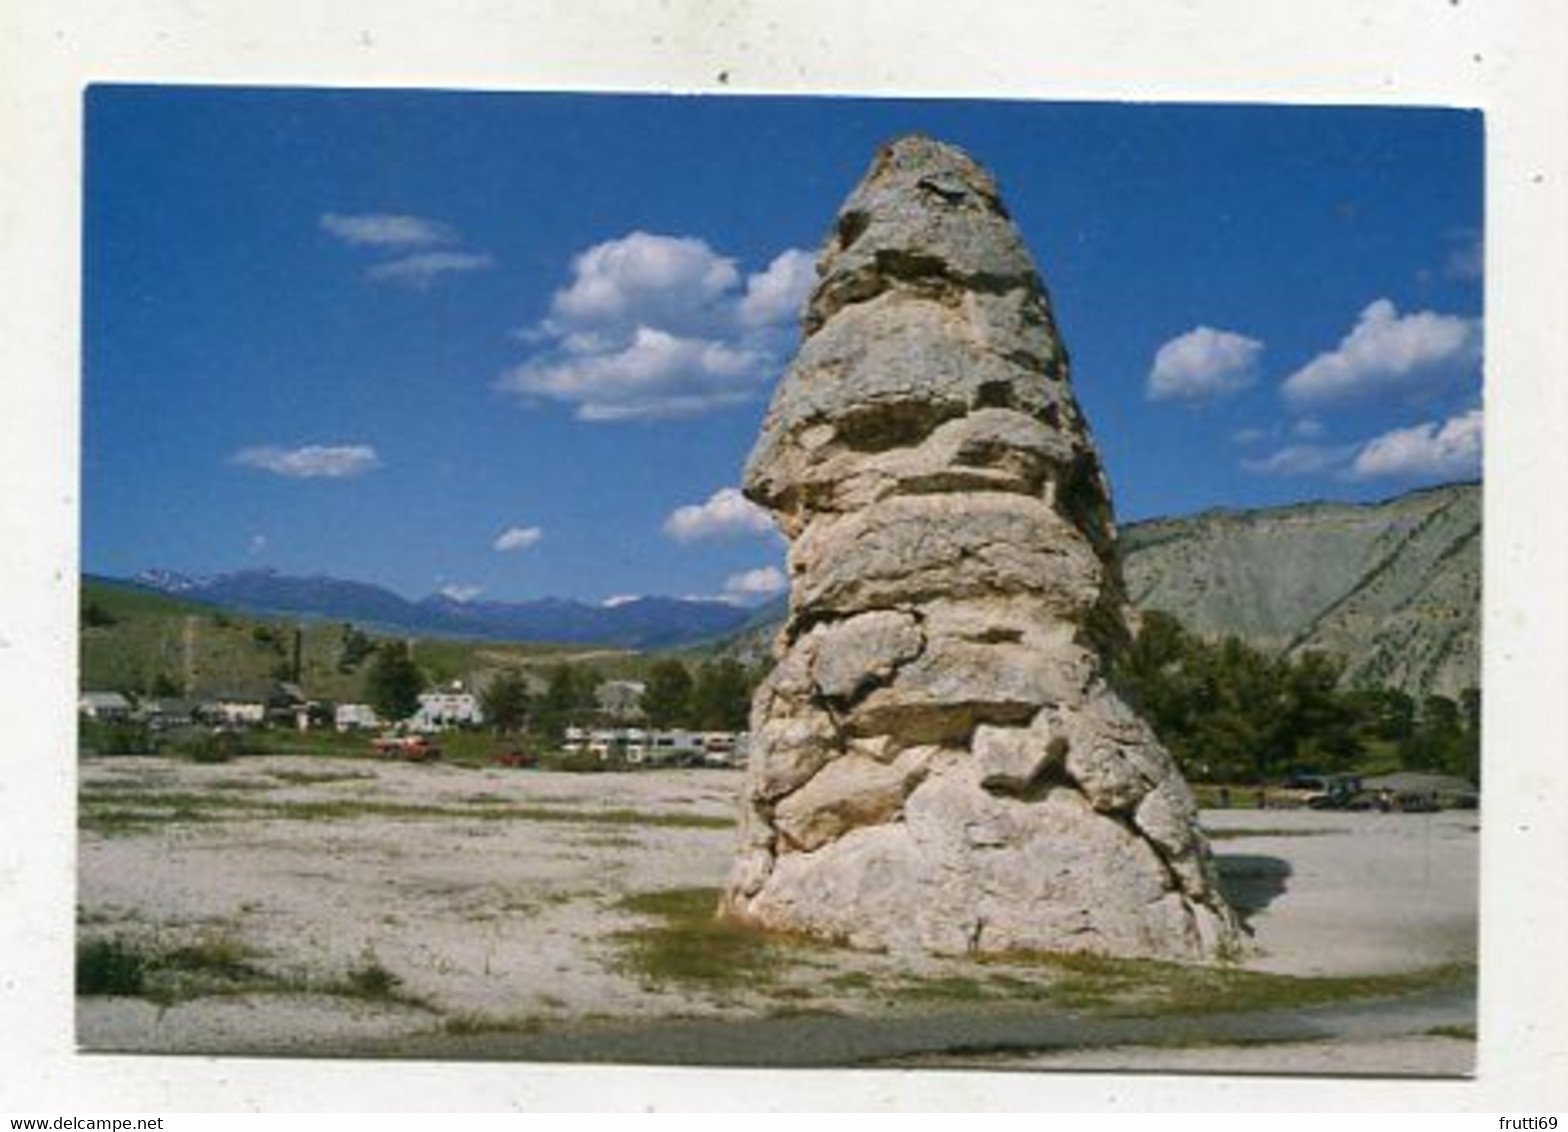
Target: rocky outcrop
937,763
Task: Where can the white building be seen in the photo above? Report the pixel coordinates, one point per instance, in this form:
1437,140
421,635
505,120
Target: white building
451,708
235,712
103,705
349,717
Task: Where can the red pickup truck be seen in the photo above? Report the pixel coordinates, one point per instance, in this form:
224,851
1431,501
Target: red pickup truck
412,748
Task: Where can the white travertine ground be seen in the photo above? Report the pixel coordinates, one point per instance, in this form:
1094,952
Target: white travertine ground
495,896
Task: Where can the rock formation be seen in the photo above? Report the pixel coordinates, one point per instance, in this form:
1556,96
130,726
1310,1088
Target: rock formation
937,762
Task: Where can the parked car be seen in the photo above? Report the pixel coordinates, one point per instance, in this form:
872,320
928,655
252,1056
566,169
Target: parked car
515,757
1347,800
1336,792
410,748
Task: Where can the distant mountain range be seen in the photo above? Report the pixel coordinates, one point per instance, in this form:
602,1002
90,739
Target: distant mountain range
1391,588
637,623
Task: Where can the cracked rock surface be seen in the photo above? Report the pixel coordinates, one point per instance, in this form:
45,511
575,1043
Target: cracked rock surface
937,762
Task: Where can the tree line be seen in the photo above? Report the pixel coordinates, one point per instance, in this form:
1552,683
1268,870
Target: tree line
712,695
1228,712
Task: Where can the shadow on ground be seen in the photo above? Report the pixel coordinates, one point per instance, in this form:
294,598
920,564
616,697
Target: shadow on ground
1251,881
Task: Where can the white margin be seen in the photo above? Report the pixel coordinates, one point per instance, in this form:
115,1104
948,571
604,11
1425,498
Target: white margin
1505,56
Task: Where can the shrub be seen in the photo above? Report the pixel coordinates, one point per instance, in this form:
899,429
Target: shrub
116,737
211,746
372,981
579,762
95,616
110,966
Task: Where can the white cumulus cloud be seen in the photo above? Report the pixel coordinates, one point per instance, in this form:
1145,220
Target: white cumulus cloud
778,294
651,374
641,277
518,538
764,581
651,326
1425,451
313,461
423,268
1203,363
726,512
386,230
1387,352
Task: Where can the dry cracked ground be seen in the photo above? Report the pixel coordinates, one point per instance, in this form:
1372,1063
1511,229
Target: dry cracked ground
309,906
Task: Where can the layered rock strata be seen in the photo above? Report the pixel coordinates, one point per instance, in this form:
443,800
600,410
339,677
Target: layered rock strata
937,762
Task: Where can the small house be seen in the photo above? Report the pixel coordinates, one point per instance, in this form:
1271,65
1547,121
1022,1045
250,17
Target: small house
168,713
104,705
233,711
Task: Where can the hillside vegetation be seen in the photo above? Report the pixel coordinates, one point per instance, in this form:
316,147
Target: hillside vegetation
137,641
1392,589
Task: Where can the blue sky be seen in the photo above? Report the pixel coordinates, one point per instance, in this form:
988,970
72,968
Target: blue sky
517,346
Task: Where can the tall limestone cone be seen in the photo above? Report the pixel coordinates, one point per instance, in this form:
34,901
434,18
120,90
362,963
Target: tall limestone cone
937,762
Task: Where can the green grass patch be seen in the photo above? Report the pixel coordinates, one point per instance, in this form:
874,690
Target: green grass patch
166,799
688,943
345,809
1460,1033
112,822
211,746
371,981
125,812
468,1025
1148,987
1100,985
130,810
852,982
217,956
216,964
1209,991
947,988
318,778
212,964
319,743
